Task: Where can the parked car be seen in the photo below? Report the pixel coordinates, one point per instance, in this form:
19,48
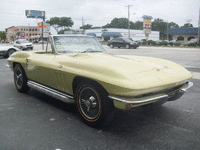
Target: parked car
174,41
23,44
159,41
193,41
40,42
7,51
77,69
142,42
122,42
35,41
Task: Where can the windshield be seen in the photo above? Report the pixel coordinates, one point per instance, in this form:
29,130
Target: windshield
77,44
24,41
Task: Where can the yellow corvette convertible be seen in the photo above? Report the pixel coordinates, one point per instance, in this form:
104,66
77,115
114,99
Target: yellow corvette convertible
77,69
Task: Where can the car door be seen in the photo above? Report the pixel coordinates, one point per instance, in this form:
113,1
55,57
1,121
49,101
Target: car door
63,72
39,68
117,42
121,43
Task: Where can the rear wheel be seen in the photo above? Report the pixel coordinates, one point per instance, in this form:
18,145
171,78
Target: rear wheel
20,79
93,104
127,46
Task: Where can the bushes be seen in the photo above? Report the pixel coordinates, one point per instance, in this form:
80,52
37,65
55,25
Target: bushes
193,44
162,43
151,42
177,44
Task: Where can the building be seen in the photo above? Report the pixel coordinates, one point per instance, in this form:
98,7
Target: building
183,35
23,32
110,33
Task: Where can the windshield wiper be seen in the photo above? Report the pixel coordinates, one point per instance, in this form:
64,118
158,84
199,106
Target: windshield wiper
87,50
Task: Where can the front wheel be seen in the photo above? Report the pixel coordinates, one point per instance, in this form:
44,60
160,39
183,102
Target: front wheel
93,104
111,46
20,79
9,53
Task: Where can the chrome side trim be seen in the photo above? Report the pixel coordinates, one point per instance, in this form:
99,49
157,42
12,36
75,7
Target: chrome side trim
139,102
51,92
169,97
190,84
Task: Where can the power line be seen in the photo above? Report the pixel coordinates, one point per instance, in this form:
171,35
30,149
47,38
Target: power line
19,2
11,13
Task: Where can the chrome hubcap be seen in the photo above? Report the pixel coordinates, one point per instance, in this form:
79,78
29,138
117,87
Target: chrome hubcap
89,103
18,78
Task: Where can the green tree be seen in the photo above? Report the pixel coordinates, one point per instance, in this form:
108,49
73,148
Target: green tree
87,26
3,35
62,31
60,23
172,24
123,23
137,25
160,25
187,25
117,23
96,27
12,37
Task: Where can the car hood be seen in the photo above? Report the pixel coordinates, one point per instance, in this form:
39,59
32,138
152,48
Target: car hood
4,48
144,72
26,44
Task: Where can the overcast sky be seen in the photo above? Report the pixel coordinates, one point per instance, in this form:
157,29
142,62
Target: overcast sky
98,12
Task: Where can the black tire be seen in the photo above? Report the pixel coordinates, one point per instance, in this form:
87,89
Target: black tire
21,48
20,79
127,46
111,46
10,52
93,104
119,47
134,47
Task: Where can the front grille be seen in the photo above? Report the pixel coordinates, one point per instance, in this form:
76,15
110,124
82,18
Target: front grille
166,91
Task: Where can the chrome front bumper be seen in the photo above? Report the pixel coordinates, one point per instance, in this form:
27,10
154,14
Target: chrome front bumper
127,103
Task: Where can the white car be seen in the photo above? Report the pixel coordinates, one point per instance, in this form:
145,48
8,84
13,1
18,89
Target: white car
23,44
193,41
6,51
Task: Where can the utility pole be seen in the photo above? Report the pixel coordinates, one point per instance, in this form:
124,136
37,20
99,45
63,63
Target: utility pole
129,21
43,33
198,28
167,29
82,22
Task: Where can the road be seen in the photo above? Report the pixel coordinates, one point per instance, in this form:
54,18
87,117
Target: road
35,121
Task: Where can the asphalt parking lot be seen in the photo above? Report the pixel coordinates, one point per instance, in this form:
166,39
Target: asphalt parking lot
36,121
